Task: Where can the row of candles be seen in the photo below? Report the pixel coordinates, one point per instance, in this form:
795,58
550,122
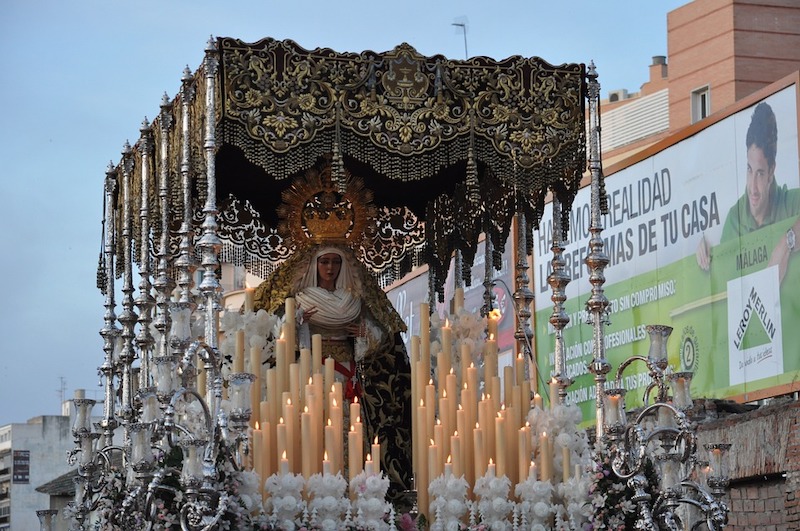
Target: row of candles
462,430
299,426
458,428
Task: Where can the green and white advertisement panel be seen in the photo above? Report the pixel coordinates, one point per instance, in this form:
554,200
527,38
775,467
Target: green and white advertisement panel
683,254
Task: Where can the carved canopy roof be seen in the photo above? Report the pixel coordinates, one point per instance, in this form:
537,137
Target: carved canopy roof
448,148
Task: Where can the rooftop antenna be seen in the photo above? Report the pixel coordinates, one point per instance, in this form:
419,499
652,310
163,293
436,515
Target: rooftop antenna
461,22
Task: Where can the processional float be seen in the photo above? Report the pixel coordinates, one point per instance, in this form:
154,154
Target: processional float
451,151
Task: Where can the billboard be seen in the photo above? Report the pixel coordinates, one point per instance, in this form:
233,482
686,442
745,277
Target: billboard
690,247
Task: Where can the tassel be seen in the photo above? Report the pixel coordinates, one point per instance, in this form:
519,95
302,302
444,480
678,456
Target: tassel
473,188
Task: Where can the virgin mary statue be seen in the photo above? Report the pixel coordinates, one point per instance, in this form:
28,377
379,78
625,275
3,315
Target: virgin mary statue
339,299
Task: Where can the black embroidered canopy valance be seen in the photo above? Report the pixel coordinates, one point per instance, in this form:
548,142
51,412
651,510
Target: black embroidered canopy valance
449,148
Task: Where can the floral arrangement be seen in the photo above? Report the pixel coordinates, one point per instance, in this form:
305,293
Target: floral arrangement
260,328
328,501
494,505
371,508
536,507
285,502
448,502
611,497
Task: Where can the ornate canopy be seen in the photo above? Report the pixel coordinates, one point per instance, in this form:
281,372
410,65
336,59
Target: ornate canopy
448,148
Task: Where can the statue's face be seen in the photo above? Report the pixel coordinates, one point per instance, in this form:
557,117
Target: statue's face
328,267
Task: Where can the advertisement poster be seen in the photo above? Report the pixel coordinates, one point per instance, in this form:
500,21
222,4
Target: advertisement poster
685,251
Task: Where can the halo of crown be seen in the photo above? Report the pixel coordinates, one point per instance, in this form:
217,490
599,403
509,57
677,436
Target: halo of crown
316,210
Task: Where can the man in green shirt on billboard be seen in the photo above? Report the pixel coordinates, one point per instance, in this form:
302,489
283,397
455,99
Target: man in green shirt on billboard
764,202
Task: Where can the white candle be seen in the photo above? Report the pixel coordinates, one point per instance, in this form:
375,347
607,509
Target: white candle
337,420
258,447
500,444
447,348
553,393
433,462
355,461
291,327
307,447
249,298
480,451
376,452
284,465
612,410
369,466
329,376
545,457
326,465
281,367
238,359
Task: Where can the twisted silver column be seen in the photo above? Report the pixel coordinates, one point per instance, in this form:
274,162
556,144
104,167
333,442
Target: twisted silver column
558,280
163,283
145,301
597,259
128,318
110,332
523,297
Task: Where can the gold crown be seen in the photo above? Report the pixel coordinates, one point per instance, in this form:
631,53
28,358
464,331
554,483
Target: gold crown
314,211
327,218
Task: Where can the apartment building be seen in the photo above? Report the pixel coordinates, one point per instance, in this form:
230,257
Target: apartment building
718,52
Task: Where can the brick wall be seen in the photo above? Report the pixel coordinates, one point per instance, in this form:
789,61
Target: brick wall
758,504
765,461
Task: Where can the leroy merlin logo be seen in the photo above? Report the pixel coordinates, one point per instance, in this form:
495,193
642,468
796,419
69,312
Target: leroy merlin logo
756,326
755,347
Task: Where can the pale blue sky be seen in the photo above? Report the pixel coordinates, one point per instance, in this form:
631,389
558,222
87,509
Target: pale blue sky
78,77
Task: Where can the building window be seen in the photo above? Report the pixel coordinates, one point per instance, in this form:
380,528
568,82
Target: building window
701,103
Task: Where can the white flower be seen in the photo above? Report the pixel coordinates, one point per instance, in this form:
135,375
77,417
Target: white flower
329,524
627,506
456,508
258,341
564,440
542,509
